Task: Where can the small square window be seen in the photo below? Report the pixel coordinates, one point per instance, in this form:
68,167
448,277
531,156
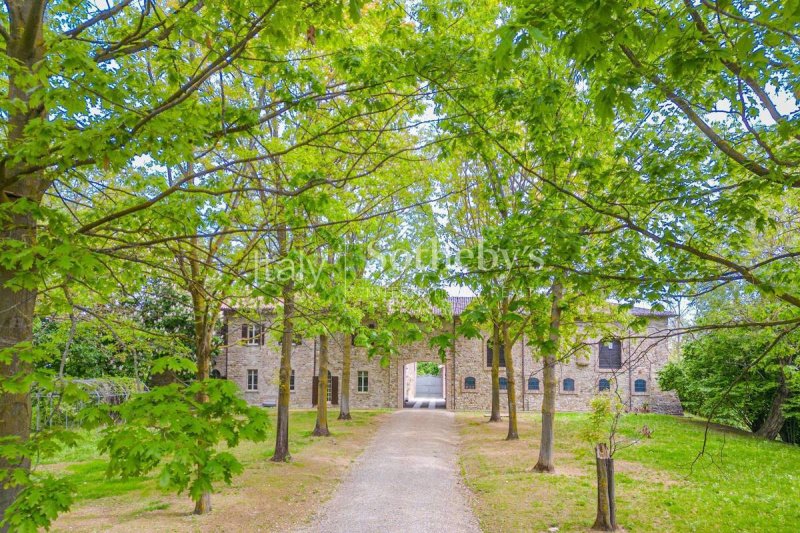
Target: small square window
252,380
363,381
568,385
640,385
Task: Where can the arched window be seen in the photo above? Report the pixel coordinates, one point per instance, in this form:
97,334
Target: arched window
604,384
469,383
640,385
533,383
569,385
503,384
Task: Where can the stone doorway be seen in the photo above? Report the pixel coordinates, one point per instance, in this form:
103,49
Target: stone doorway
424,385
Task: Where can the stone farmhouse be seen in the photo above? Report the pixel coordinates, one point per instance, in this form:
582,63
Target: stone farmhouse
629,366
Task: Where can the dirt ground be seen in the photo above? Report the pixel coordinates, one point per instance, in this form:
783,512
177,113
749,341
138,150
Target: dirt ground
266,497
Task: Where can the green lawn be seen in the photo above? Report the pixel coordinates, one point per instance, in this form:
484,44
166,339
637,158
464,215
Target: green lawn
740,484
86,468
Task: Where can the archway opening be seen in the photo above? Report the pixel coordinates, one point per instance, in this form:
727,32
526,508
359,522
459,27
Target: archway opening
424,385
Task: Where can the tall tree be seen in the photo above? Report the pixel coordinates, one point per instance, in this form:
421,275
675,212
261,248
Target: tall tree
92,88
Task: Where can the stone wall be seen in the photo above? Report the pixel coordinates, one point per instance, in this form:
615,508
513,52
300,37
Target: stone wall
642,358
305,363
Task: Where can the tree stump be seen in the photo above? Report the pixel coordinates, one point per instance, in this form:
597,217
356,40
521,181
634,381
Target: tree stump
606,508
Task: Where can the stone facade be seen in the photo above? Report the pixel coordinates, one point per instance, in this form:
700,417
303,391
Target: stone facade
391,385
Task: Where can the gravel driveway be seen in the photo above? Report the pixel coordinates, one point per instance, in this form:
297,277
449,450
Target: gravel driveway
406,481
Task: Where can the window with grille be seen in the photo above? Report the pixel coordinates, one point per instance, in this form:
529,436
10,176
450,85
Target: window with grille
640,385
252,379
469,383
604,385
533,383
611,354
489,354
363,381
569,385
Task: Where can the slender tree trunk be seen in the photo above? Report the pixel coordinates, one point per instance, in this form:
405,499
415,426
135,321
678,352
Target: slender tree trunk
495,416
546,461
606,519
203,330
772,425
344,406
25,44
513,434
282,431
321,427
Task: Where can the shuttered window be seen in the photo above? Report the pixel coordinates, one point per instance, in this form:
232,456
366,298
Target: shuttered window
469,383
640,385
252,379
363,381
611,354
489,355
333,389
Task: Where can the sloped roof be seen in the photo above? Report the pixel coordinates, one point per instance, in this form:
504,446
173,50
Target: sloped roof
643,311
459,303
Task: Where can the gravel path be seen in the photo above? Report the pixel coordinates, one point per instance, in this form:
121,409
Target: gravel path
405,481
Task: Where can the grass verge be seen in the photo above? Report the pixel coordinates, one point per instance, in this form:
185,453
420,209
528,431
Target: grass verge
741,484
266,497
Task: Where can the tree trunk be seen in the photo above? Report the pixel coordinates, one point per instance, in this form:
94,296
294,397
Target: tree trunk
321,427
546,462
282,430
772,425
25,44
513,434
495,416
606,519
204,322
203,504
344,406
16,326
